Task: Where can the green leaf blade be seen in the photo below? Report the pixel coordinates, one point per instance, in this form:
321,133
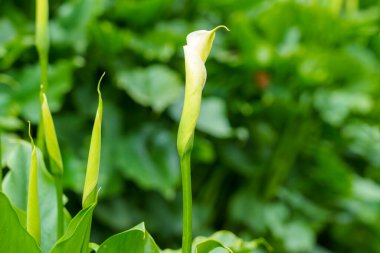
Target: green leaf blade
77,235
33,224
14,238
136,239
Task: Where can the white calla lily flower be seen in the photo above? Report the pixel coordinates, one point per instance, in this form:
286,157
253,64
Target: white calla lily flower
199,44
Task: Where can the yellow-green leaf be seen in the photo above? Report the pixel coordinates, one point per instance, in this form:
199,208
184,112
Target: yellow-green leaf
33,224
92,171
51,139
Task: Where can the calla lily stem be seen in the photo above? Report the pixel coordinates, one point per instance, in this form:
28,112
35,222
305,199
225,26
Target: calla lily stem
187,203
1,167
59,192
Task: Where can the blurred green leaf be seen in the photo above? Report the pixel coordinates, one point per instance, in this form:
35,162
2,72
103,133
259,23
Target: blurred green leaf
143,12
336,106
27,91
157,86
149,158
212,118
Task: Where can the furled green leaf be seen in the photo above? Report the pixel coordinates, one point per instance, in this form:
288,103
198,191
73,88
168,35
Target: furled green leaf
16,156
51,138
92,171
13,236
33,225
136,240
77,235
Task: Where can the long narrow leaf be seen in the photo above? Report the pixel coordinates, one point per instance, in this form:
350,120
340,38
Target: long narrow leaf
33,224
92,171
51,139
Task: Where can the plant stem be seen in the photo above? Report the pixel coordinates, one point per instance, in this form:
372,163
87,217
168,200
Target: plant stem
1,167
59,192
187,203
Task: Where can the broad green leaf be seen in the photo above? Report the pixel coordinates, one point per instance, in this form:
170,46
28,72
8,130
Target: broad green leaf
69,28
149,158
143,12
92,171
16,156
77,235
228,241
209,245
213,118
363,140
335,106
14,237
51,139
136,240
224,241
10,123
33,225
25,100
157,86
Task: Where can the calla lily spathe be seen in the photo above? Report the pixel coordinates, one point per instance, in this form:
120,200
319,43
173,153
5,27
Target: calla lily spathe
199,44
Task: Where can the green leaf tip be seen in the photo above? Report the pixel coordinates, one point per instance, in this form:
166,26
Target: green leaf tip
30,134
99,82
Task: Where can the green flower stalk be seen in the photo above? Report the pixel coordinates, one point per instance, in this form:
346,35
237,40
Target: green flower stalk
42,45
1,166
93,164
33,225
196,51
55,159
42,38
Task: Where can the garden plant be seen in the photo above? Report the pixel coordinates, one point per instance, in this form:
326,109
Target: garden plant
45,225
104,106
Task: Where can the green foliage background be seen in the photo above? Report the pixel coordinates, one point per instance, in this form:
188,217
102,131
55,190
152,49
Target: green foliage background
288,141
